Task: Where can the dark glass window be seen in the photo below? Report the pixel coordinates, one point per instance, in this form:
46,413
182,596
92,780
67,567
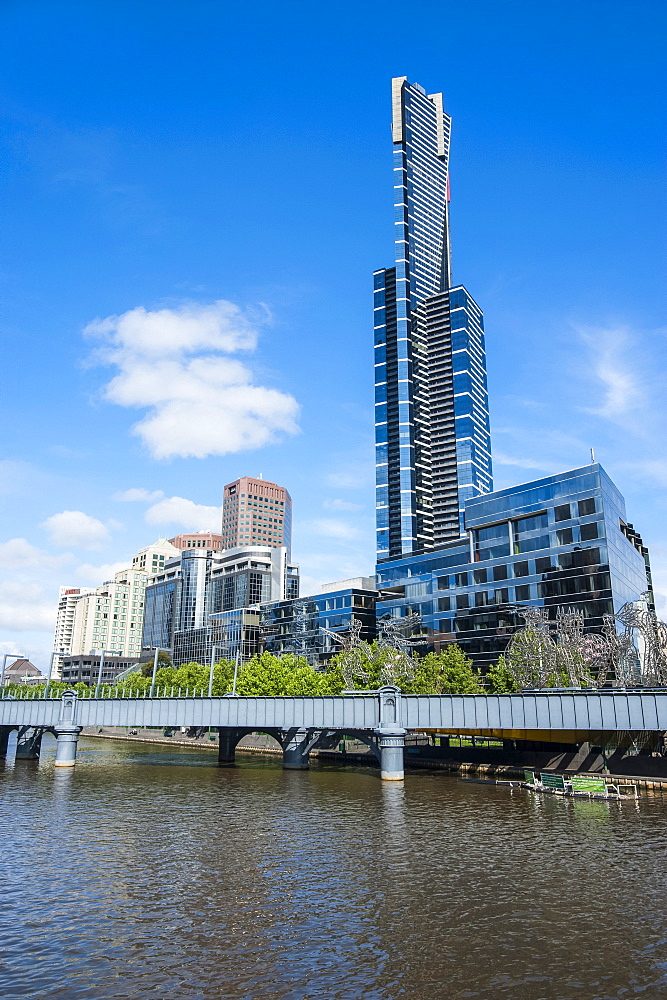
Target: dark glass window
500,572
480,575
530,524
461,580
443,583
502,596
523,592
564,536
481,599
444,603
461,601
586,507
589,531
563,513
521,569
543,565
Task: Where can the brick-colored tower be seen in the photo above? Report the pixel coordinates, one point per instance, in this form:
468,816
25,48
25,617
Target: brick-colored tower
256,512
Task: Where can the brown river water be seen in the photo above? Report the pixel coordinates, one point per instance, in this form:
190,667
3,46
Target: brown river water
150,873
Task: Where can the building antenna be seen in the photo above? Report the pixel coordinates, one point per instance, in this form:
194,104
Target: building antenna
592,454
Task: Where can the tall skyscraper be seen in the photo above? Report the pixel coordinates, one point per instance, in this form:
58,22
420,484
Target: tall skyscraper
256,512
433,449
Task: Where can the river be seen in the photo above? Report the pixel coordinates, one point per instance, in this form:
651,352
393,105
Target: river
150,873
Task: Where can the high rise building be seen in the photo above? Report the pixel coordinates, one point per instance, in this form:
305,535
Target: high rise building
152,558
111,616
256,512
433,449
198,540
199,583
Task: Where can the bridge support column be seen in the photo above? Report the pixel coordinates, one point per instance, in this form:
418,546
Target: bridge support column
391,742
296,745
227,741
29,743
5,733
67,737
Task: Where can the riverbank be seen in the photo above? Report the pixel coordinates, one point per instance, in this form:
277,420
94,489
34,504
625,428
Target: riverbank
364,758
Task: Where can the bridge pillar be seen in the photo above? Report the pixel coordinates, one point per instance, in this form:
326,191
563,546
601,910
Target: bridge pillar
29,743
227,740
67,737
296,748
5,733
391,741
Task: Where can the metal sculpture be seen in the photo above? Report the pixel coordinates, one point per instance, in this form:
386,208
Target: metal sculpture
396,661
545,653
356,652
392,650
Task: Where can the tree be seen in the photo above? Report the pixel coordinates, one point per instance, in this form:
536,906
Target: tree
447,672
499,678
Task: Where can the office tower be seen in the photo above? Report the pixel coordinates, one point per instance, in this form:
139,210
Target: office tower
561,543
198,540
151,558
433,448
200,583
256,512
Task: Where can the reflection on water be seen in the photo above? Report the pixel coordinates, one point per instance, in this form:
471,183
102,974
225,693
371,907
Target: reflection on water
151,874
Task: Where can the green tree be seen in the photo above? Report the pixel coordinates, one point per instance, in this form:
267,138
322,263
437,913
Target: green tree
447,672
499,678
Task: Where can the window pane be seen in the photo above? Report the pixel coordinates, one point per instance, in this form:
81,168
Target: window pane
461,580
589,531
480,576
444,603
564,536
443,583
502,596
563,513
543,565
523,592
586,507
500,572
521,569
461,601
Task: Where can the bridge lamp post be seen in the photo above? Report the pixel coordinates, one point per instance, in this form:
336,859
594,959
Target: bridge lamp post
210,673
8,656
113,652
50,674
158,650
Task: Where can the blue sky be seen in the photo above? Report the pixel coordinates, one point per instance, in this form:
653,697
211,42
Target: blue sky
224,171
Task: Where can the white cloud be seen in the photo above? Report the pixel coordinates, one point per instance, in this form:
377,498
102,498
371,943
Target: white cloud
499,458
138,495
331,527
341,505
18,553
199,404
73,528
614,365
185,514
92,576
25,607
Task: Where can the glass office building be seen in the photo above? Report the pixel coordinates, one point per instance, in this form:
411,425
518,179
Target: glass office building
228,635
431,403
559,542
296,626
202,582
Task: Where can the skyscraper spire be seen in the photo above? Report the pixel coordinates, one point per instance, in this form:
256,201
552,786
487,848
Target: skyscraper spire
432,421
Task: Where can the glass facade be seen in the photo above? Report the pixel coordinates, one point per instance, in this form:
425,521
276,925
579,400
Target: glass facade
431,402
201,583
558,542
295,626
233,633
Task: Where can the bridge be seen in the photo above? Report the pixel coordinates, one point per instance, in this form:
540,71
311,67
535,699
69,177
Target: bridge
381,718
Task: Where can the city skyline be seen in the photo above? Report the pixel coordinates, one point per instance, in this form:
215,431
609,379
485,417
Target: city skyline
161,206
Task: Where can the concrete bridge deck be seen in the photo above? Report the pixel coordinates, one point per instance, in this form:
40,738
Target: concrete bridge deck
380,718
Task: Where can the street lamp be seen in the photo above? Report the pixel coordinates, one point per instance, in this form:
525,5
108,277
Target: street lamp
210,673
158,650
113,652
48,679
8,656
